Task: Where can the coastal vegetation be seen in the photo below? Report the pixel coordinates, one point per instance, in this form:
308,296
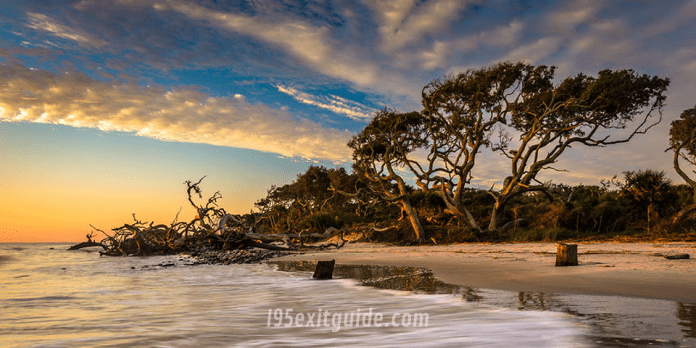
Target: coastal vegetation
412,173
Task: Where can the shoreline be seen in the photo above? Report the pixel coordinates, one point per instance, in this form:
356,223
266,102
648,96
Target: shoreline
613,269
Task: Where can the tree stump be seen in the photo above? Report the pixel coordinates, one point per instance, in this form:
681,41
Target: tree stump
324,270
566,254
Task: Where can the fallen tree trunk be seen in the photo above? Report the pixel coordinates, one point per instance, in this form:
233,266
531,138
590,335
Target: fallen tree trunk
87,245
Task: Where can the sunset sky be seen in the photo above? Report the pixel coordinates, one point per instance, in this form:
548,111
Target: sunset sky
107,107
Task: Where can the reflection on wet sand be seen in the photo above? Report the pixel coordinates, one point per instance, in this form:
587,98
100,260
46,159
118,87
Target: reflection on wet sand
686,312
4,259
419,280
615,321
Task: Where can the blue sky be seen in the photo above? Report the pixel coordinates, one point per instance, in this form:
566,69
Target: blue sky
117,103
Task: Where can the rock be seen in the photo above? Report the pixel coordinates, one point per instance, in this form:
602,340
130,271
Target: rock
227,257
677,257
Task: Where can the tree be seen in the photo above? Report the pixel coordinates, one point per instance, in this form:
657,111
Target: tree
379,151
581,110
460,114
464,112
647,186
310,194
682,137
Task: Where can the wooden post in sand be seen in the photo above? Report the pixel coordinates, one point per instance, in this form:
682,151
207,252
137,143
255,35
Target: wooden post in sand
324,269
566,254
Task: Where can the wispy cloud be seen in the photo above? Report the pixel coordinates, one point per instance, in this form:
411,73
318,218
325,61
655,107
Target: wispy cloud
181,114
332,103
534,52
311,44
42,22
404,22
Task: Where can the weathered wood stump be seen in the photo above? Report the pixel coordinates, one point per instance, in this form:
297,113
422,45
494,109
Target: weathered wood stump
566,254
324,269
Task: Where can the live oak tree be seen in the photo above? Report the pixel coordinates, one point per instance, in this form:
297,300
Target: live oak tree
518,111
461,113
548,118
379,152
682,137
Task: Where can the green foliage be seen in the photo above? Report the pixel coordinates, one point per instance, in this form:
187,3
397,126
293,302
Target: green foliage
682,136
310,200
646,185
683,132
488,108
322,221
426,199
542,235
387,139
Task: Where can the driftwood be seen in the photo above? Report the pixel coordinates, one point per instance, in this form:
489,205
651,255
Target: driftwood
88,243
212,228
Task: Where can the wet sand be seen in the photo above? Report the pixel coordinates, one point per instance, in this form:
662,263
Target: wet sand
627,295
4,259
622,269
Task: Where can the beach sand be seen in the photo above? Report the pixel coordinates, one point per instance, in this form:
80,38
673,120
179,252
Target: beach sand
622,269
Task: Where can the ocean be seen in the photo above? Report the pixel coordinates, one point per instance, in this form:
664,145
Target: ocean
51,297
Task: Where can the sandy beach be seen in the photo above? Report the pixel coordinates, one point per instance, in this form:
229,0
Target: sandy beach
623,269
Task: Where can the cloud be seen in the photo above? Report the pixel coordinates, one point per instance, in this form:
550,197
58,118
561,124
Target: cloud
404,22
534,52
346,56
296,42
308,43
443,53
565,20
181,114
333,103
42,22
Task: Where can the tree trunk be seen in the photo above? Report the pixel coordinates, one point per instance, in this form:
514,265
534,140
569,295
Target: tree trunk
412,218
684,213
455,207
470,220
497,215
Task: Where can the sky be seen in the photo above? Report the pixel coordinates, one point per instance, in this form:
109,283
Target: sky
108,107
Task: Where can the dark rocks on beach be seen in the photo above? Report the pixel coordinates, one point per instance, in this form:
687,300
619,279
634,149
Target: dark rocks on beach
227,257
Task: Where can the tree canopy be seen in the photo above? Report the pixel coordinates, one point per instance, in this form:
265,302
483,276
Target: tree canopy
384,146
682,137
516,110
